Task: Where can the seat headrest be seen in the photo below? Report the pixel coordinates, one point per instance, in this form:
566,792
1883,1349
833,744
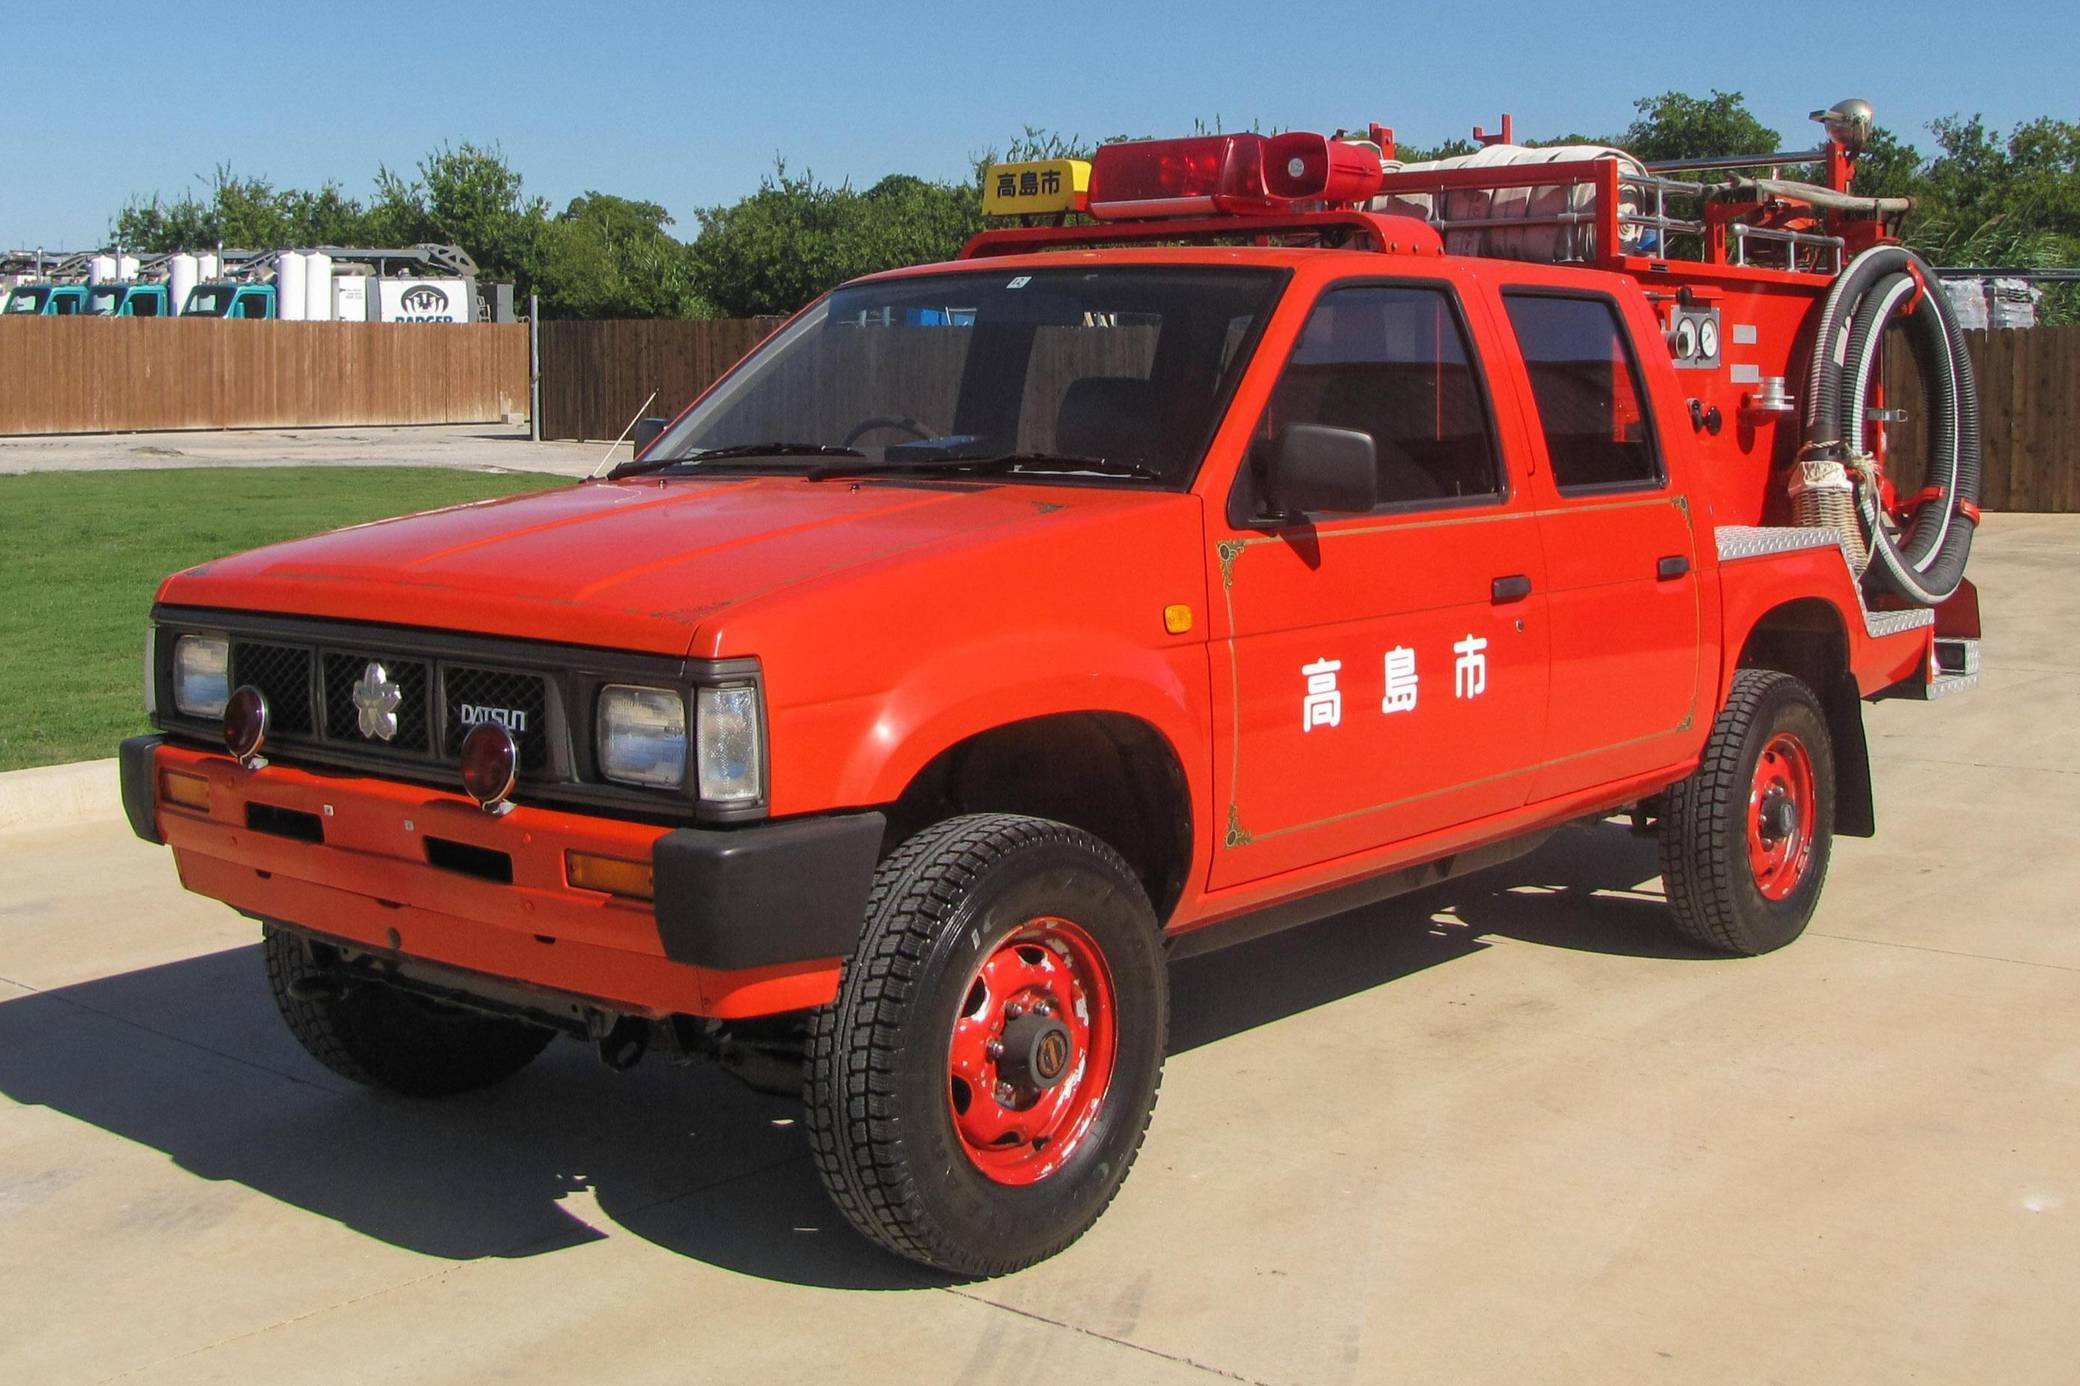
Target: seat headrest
1108,416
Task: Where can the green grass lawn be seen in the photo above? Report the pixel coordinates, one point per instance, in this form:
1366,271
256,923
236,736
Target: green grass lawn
82,553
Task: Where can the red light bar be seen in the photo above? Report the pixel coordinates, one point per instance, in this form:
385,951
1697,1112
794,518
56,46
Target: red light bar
1174,178
1299,167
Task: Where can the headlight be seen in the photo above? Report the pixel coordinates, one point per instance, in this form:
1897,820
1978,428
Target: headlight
729,753
201,675
642,735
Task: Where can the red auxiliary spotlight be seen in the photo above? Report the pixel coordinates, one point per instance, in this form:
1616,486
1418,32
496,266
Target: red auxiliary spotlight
490,766
245,724
1302,167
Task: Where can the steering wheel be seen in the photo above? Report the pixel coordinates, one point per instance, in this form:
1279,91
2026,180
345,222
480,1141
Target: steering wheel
910,426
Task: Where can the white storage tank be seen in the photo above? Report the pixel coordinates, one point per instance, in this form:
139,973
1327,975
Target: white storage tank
126,268
207,267
183,272
317,286
291,276
101,269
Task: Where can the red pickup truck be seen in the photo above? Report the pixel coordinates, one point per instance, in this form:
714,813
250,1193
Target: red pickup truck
1001,629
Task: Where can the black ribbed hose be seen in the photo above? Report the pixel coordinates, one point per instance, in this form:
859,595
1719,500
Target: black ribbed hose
1926,563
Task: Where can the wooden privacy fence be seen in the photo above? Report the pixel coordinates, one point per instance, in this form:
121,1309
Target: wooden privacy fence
109,375
2029,409
596,375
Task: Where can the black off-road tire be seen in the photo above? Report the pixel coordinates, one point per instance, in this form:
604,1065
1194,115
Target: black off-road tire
880,1111
1712,890
382,1037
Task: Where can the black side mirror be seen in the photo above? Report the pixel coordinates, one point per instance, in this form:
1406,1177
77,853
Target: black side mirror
646,431
1312,467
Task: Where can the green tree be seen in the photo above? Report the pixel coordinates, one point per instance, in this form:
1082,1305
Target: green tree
1676,125
795,237
606,256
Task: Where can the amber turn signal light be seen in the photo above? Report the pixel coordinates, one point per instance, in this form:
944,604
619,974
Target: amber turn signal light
184,791
610,874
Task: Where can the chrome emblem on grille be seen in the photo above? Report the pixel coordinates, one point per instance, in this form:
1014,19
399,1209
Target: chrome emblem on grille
376,700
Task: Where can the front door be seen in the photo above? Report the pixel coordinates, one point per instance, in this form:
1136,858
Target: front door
1378,677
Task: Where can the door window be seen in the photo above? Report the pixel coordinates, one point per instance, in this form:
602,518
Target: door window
1391,360
1587,390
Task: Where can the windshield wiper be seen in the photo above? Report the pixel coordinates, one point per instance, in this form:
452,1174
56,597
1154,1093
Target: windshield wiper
1054,462
742,450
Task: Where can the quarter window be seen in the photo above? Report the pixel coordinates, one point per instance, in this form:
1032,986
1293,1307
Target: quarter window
1391,360
1587,390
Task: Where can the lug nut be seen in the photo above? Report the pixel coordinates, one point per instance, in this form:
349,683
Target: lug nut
1012,1010
995,1049
1004,1093
1043,1008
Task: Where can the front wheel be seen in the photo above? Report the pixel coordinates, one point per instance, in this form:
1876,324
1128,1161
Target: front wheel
1745,839
982,1084
378,1035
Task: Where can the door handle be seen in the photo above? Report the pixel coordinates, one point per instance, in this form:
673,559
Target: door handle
1514,588
1671,567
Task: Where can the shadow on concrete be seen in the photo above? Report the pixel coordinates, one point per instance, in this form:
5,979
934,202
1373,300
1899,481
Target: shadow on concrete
190,1059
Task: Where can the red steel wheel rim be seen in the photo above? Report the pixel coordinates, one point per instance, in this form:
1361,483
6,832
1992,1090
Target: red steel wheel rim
1781,804
1032,1051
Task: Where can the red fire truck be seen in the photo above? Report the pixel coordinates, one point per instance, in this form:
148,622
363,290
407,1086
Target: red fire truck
1246,530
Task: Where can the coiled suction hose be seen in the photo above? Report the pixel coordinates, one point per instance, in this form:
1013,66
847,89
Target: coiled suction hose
1926,562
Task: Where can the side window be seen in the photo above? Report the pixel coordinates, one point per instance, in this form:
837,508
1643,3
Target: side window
1587,390
1392,361
144,306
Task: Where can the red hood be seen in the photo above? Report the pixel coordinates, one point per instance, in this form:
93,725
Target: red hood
634,565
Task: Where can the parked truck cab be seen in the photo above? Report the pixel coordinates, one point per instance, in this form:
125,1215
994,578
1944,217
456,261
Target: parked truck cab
230,300
999,630
127,300
48,300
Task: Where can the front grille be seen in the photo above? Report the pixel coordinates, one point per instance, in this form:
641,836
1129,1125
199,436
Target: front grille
283,673
517,702
343,719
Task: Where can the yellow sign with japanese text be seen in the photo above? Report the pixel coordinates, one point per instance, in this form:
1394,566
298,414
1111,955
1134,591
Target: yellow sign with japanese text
1037,187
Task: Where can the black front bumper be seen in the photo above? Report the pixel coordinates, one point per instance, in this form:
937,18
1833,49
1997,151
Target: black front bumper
759,896
134,766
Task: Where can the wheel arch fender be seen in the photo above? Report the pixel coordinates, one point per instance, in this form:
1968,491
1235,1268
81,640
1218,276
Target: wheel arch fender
1809,638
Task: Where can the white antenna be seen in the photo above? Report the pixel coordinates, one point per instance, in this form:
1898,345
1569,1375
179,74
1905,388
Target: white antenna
623,438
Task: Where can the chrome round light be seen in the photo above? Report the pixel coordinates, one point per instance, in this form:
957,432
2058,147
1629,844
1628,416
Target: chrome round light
245,722
490,766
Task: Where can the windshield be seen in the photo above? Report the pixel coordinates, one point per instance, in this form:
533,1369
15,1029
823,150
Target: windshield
208,300
102,302
27,300
1124,366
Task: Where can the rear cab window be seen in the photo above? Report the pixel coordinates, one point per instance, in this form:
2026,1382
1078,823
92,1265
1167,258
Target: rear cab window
1585,385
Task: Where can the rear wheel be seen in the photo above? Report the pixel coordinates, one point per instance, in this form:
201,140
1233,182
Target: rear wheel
982,1084
386,1038
1745,840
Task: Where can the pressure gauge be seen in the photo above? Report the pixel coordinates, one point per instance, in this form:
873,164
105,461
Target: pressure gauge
1708,339
1686,338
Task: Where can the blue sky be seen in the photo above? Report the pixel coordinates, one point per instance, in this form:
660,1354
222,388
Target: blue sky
689,104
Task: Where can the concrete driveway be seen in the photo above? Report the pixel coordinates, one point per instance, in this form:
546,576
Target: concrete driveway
1509,1132
476,447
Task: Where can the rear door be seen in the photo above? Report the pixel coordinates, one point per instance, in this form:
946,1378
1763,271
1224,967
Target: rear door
1620,546
1378,677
